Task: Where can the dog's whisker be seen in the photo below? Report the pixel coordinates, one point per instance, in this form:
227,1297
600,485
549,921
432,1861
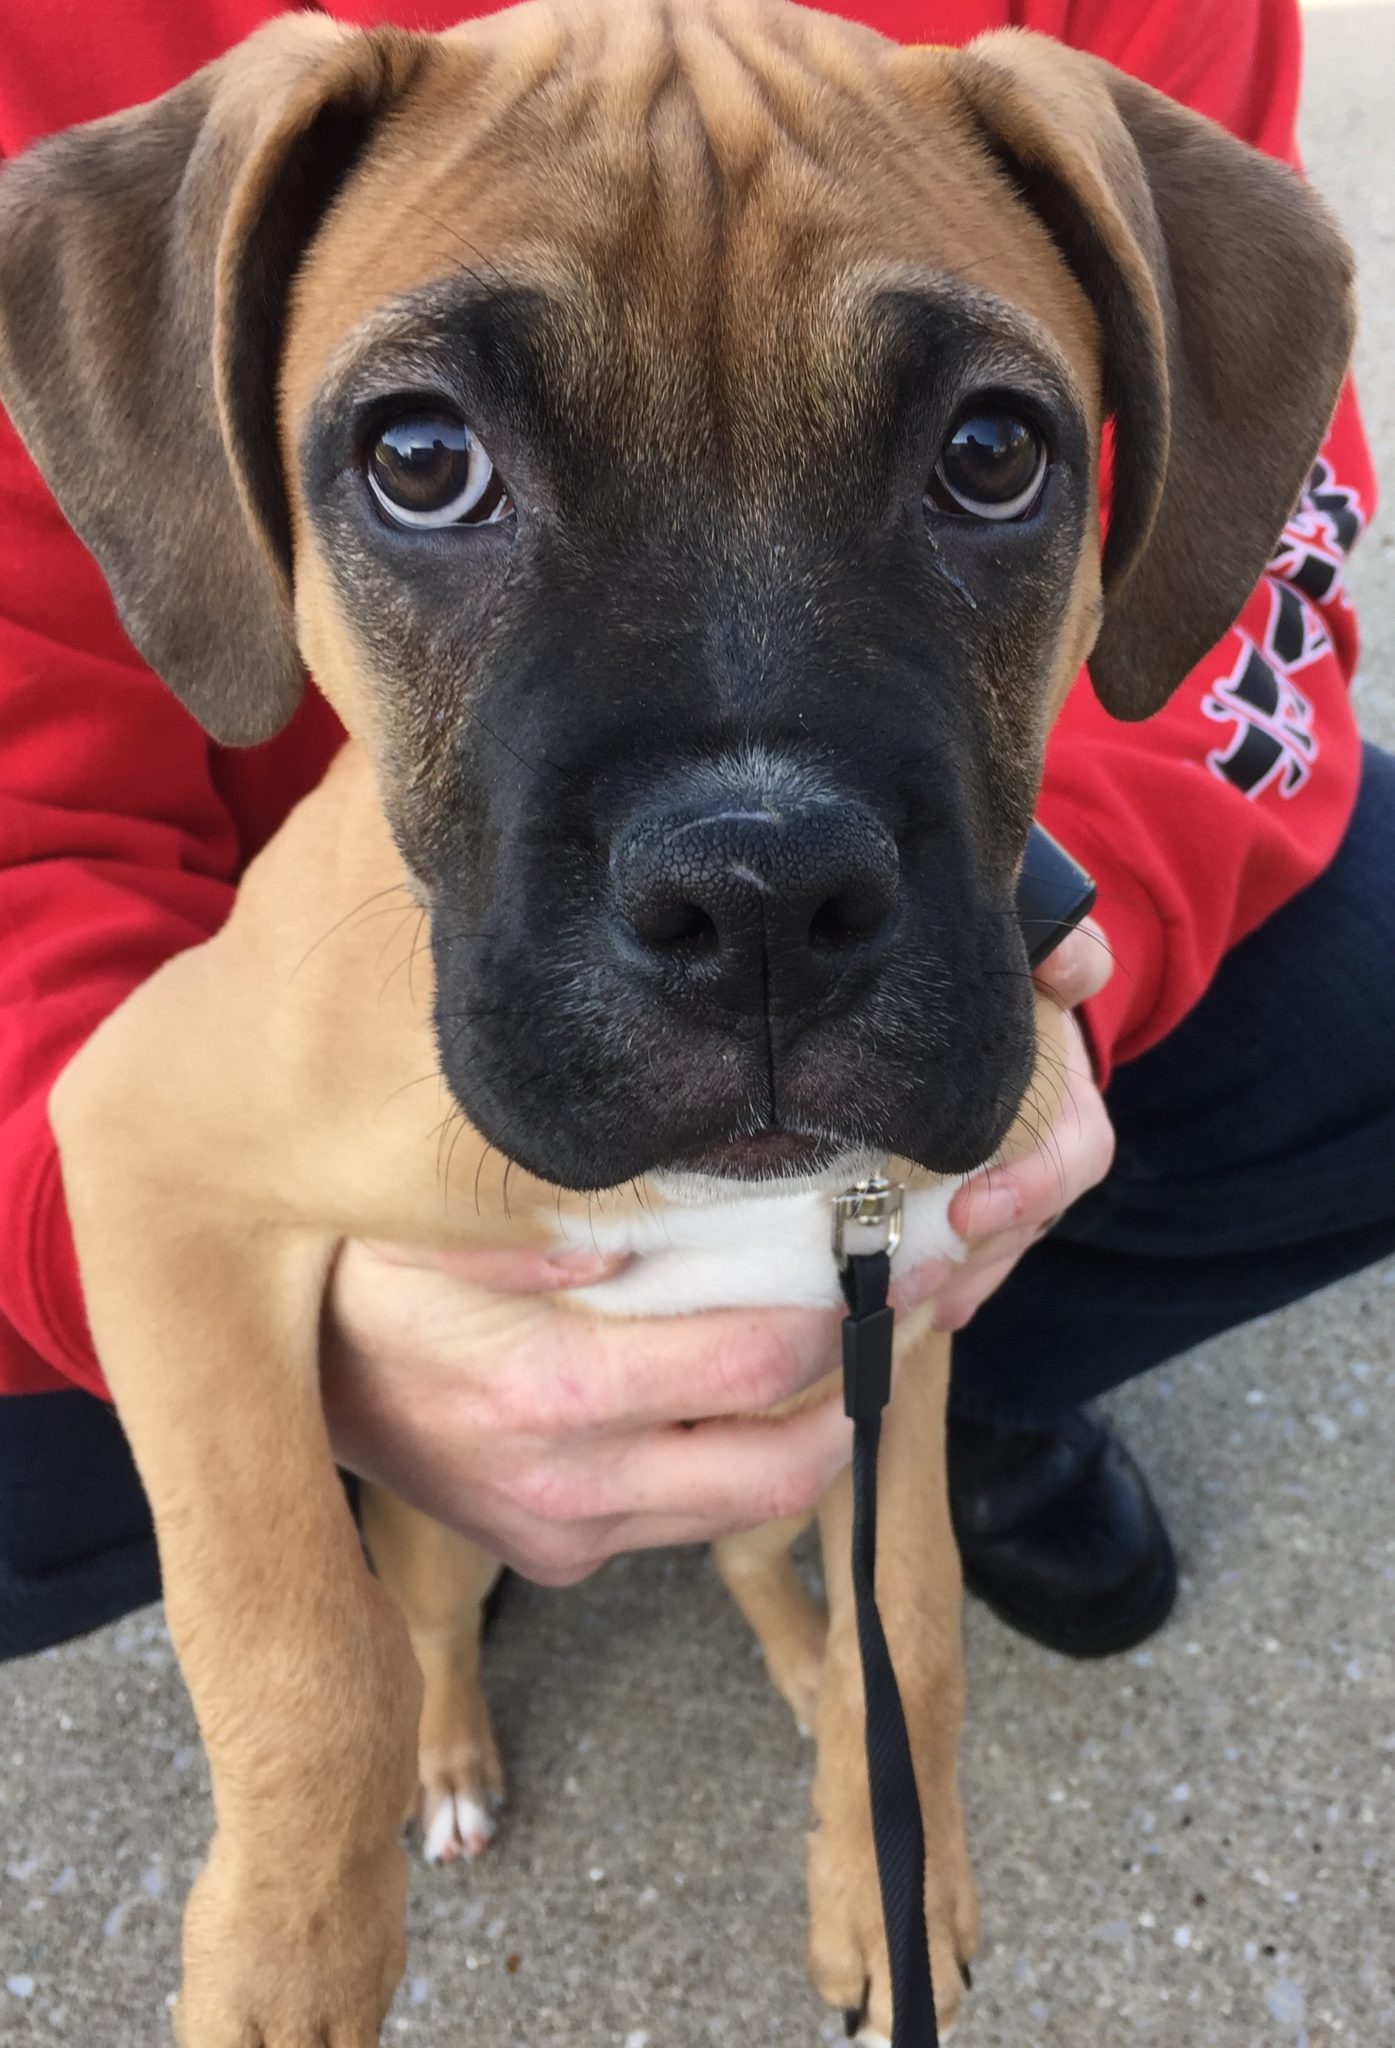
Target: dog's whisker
491,292
402,916
450,1159
439,1131
393,889
417,947
479,1175
405,964
552,767
407,1086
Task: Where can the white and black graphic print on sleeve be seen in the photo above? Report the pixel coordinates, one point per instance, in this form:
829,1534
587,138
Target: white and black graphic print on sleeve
1272,743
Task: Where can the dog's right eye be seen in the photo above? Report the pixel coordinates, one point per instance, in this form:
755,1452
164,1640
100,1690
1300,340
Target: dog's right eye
992,466
428,469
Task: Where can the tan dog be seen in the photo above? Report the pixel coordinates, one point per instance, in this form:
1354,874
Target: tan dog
670,435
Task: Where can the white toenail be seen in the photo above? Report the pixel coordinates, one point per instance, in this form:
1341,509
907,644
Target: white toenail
475,1824
867,2039
440,1835
459,1826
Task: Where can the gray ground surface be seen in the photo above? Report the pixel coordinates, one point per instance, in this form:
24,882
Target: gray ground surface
1188,1847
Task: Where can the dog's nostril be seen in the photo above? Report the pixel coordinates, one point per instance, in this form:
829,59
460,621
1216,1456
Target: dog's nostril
674,927
848,918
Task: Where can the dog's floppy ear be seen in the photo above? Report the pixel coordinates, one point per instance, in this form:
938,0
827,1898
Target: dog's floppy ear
1224,291
144,265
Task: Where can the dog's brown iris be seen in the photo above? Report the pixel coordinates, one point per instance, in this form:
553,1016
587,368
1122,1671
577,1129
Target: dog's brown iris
993,466
428,469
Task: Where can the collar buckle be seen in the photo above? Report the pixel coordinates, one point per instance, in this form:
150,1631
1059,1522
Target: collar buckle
867,1219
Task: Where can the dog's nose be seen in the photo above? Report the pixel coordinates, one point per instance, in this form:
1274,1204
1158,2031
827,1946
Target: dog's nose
766,906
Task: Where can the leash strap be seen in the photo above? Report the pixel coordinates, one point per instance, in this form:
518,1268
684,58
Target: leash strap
896,1821
1053,894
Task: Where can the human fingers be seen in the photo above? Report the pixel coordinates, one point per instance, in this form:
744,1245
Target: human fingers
961,1301
737,1474
919,1283
1080,965
1074,1153
559,1518
587,1373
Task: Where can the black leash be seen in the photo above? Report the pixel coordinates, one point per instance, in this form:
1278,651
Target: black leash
867,1227
1053,894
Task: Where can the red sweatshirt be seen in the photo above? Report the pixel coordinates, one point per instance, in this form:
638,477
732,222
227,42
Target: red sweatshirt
123,829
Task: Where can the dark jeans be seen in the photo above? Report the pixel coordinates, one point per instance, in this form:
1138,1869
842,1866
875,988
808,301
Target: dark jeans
1256,1163
75,1543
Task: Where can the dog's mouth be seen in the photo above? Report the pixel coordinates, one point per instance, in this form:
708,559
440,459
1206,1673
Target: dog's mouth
761,1155
765,1162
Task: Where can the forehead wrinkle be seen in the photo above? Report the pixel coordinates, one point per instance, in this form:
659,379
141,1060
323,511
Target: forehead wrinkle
610,114
757,87
624,107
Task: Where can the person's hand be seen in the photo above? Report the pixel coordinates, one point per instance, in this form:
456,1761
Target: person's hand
556,1438
1001,1214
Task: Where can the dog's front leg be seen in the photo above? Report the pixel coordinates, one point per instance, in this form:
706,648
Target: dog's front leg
299,1666
758,1571
918,1592
441,1581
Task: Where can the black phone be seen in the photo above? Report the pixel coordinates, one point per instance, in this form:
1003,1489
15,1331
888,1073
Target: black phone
1053,894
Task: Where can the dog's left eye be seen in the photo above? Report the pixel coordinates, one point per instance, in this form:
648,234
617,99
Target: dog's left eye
992,466
428,469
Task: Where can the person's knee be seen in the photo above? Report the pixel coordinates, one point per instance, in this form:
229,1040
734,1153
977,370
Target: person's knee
69,1491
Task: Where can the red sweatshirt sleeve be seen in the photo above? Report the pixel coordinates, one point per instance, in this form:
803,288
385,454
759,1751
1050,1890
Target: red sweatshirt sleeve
1203,821
116,848
115,851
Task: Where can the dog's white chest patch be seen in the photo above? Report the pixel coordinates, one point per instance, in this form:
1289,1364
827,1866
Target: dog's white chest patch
754,1247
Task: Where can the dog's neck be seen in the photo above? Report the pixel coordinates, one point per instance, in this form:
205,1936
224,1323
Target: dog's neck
741,1244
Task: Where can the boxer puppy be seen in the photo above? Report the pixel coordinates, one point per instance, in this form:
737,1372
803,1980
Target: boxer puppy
671,437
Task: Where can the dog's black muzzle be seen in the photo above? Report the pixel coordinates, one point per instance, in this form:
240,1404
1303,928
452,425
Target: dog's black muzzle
750,971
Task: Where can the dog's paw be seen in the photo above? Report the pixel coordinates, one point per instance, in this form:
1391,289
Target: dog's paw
462,1782
274,1963
457,1823
847,1940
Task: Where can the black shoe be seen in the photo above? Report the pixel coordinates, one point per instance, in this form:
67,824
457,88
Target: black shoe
1059,1533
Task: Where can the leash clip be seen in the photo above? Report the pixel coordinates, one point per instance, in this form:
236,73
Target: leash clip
867,1219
